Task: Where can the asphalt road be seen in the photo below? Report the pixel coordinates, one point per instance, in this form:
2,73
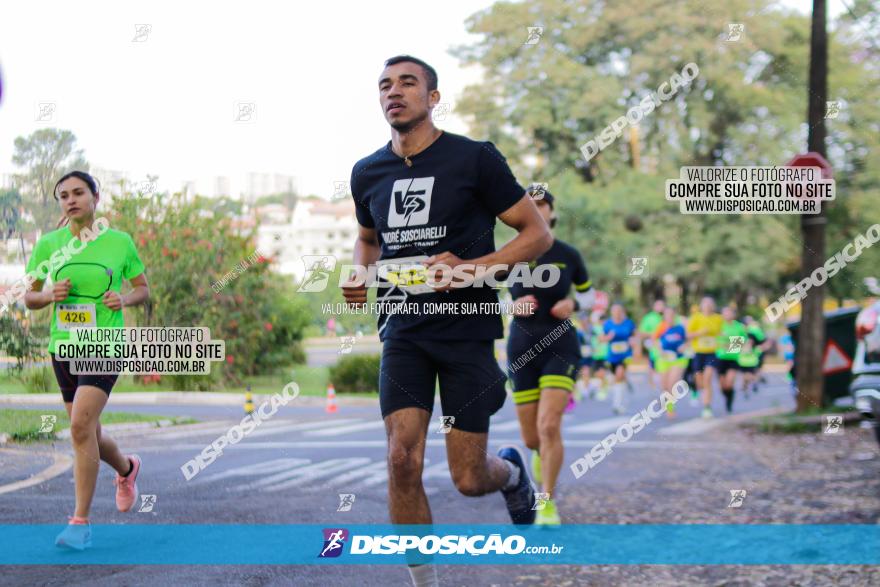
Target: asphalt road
292,469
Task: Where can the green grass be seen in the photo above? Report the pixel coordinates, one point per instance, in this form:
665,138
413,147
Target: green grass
798,423
24,425
312,381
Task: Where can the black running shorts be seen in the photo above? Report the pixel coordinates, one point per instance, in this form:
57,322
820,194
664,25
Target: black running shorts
536,363
471,382
725,365
68,382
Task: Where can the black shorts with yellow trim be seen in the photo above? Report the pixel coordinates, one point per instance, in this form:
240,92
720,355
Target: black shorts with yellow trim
532,368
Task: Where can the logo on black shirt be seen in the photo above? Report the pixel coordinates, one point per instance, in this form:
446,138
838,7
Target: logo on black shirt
410,202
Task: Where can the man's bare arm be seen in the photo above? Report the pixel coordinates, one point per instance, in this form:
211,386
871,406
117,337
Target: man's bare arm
366,253
532,240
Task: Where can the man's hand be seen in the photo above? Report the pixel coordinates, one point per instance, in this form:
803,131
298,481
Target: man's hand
60,290
525,306
113,300
434,274
562,309
355,290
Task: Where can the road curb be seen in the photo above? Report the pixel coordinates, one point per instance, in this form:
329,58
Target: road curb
121,428
61,463
195,398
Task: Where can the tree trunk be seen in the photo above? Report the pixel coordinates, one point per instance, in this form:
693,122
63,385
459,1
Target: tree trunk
684,305
811,337
742,297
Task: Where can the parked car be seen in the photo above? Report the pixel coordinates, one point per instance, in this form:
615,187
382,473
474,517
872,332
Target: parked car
865,387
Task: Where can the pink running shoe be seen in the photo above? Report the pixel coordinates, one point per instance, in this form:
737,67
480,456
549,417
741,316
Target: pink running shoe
571,404
126,487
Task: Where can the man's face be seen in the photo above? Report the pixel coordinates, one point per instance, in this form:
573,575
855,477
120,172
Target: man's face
404,95
545,210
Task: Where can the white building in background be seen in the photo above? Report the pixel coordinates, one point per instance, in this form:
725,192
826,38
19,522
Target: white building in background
266,184
316,227
222,186
109,181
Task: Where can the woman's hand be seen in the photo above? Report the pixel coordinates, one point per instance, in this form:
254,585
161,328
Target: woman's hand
60,290
113,300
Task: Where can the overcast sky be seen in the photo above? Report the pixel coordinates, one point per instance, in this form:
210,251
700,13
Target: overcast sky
165,103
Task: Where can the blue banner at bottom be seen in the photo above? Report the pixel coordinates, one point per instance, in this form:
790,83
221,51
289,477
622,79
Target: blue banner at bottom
594,544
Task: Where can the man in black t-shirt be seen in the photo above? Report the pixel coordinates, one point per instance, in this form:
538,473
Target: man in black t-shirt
543,355
434,196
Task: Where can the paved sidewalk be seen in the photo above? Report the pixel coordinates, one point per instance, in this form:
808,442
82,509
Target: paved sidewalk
791,479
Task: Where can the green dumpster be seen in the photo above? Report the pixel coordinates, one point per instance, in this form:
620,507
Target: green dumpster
838,351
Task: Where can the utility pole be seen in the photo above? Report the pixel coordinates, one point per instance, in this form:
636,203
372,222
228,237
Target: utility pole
811,337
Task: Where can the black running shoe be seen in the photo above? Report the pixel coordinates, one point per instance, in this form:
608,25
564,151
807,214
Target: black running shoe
521,499
728,400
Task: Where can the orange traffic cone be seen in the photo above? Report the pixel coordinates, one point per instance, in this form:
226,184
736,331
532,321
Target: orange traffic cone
331,407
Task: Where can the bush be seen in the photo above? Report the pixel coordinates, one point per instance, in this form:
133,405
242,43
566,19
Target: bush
39,379
356,373
18,339
204,272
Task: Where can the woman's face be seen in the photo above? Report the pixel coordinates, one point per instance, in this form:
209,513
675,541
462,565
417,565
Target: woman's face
617,313
669,316
76,199
707,306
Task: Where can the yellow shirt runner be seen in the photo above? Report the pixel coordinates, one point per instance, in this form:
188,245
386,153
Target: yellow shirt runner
709,327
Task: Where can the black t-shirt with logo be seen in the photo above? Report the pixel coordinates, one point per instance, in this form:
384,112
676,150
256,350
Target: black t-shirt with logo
572,272
447,201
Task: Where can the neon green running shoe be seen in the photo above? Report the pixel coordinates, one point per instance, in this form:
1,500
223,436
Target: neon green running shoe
536,466
548,516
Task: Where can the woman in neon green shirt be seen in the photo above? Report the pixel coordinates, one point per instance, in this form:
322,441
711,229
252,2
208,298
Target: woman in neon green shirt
87,262
730,342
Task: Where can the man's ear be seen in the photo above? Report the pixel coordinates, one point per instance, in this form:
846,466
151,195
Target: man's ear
433,98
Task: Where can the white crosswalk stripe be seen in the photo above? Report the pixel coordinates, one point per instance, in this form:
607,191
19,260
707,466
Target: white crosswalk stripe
308,473
354,474
297,427
264,468
370,474
214,430
504,426
333,430
437,471
691,427
598,427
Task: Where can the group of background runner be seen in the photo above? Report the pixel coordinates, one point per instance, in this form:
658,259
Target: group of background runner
700,346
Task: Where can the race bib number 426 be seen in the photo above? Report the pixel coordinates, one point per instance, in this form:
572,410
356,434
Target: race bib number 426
75,316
